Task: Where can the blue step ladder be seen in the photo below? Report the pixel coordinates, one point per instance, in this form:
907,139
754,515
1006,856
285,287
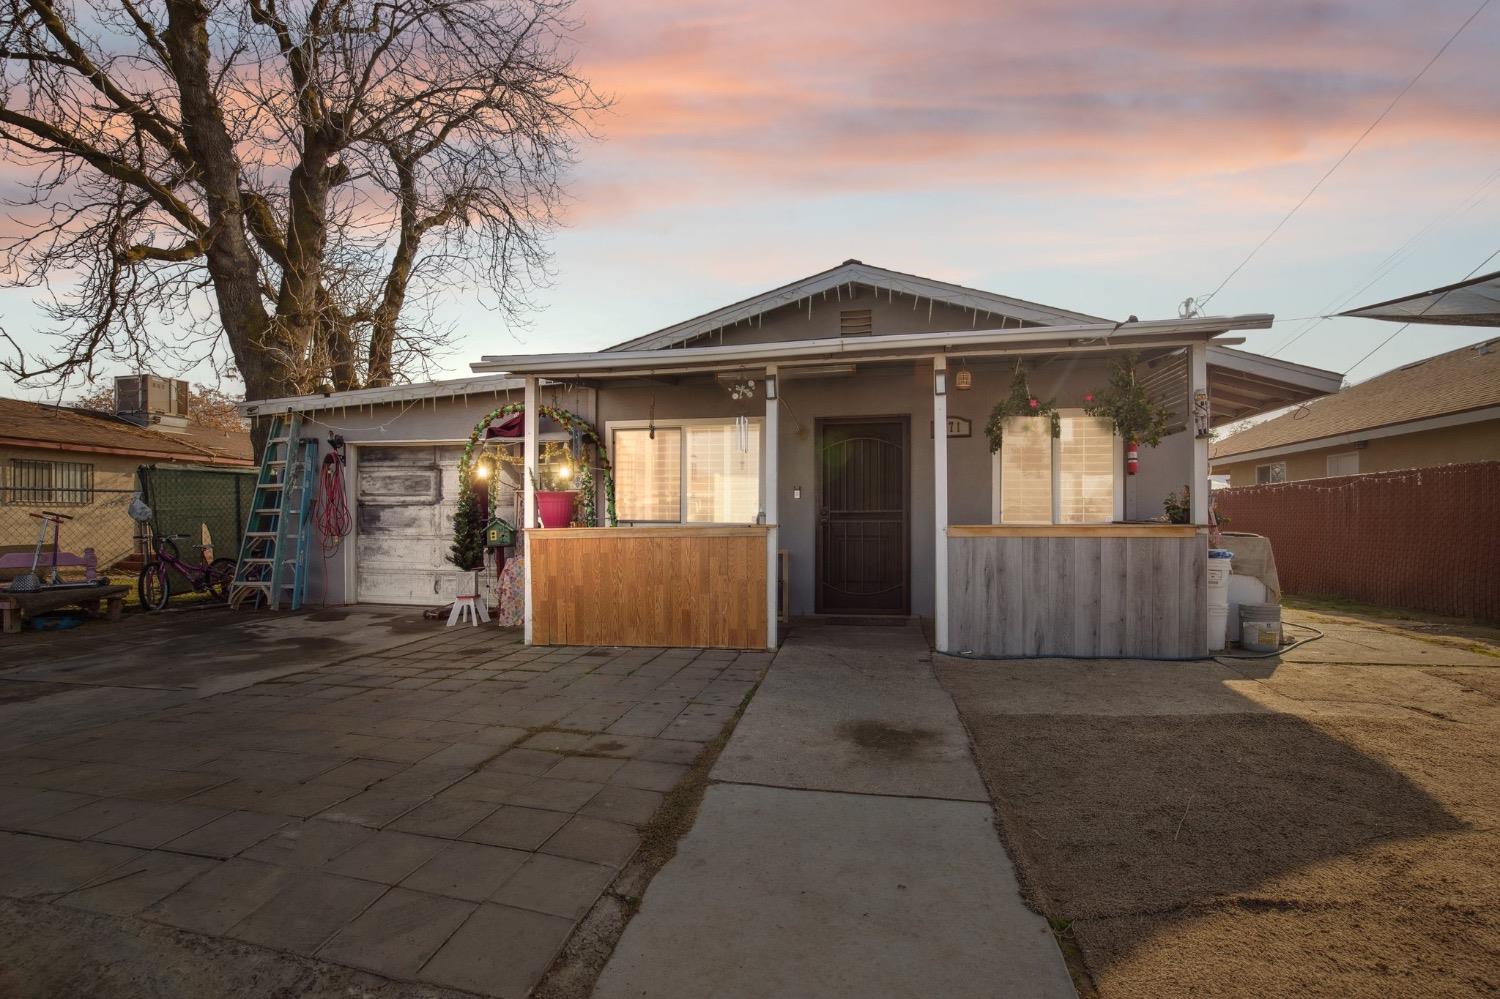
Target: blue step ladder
272,568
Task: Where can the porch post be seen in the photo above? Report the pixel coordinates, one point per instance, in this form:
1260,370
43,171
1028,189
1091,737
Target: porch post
770,452
1198,382
940,501
530,423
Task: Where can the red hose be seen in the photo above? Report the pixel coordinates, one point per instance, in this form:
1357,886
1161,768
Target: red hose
332,515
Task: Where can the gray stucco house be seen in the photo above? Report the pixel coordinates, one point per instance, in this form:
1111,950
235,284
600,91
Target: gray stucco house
777,457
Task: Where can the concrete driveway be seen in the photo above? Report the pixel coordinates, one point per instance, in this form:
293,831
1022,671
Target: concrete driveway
846,848
330,803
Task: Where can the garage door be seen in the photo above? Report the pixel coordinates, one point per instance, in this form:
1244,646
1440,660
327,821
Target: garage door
406,497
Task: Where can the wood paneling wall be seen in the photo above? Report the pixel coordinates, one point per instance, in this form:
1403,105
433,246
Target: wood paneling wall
1085,595
696,587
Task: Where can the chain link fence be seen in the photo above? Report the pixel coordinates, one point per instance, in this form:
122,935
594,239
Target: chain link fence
209,505
101,523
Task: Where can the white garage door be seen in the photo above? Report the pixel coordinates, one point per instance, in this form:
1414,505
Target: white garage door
406,497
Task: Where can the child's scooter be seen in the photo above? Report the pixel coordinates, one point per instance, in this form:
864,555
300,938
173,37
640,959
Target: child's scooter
30,582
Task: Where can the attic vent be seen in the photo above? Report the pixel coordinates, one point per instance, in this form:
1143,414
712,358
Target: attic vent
856,322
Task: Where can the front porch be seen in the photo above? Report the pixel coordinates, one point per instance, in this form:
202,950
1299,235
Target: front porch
1039,549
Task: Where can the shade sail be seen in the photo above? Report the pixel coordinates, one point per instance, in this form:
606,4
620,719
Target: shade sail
1471,302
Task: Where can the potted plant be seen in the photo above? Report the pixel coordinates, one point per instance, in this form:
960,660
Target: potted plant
556,500
1137,418
1020,402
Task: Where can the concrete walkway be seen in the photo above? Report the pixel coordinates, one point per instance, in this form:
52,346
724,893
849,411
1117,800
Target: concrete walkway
846,848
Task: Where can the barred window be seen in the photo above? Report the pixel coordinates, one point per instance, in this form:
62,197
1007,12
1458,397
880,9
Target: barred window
48,483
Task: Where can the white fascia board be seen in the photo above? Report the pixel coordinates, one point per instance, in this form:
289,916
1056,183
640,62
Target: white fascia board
1091,335
380,396
1264,368
862,274
1375,433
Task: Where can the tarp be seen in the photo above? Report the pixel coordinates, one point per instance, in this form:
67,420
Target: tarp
1471,302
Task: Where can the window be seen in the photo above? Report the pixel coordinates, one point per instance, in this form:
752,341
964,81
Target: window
1070,479
696,472
1344,464
48,483
1274,472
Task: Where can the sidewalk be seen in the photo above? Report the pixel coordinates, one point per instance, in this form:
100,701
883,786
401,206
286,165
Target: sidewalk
846,848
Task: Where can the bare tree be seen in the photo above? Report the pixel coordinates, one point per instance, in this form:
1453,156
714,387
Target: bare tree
291,181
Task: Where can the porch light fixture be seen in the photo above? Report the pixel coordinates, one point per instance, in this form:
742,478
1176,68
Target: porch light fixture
940,382
481,470
963,379
770,388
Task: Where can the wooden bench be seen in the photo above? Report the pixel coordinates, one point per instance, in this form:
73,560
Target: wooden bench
13,606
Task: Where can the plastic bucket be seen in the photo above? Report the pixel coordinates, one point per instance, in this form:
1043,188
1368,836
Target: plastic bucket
1220,563
555,509
1243,590
1260,627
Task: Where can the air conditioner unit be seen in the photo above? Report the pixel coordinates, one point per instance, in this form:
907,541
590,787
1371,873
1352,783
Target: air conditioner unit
150,395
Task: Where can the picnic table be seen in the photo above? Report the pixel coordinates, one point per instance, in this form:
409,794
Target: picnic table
13,606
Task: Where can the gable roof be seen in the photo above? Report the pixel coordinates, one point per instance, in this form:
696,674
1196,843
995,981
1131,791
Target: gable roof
63,428
1459,381
855,272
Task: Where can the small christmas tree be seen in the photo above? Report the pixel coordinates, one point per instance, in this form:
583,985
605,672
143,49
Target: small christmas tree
468,527
1125,404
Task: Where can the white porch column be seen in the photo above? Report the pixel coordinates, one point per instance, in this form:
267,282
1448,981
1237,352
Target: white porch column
770,451
1198,382
940,501
531,422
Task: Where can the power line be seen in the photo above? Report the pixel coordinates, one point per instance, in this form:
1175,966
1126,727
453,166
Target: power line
1387,265
1347,153
1434,302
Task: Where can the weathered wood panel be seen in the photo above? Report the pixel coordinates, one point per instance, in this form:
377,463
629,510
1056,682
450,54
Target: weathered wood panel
691,587
1083,594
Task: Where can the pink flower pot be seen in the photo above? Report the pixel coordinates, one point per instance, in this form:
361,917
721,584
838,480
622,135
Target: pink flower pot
555,509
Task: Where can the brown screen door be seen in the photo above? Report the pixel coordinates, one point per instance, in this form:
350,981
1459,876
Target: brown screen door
862,517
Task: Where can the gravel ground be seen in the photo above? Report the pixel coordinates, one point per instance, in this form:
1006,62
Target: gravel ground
1288,828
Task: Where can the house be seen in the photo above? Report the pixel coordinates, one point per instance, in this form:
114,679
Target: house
82,463
820,449
1437,411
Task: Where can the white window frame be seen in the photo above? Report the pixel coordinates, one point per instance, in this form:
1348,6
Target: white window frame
1270,481
757,427
1328,463
1118,478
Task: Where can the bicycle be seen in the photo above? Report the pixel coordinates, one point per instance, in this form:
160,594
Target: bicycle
154,584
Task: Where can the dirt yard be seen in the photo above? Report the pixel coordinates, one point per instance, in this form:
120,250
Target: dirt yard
1320,824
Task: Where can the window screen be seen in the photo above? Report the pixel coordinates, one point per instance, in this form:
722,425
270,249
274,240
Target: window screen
648,474
1086,482
723,481
1026,471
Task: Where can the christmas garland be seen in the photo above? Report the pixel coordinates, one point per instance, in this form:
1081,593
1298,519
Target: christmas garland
1020,402
468,544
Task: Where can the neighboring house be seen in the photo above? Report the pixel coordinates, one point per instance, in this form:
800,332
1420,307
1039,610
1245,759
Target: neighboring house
82,463
1437,411
800,421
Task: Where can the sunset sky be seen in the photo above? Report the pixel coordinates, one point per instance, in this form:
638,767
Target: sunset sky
1108,157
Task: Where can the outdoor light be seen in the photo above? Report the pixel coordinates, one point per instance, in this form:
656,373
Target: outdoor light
565,472
770,387
481,471
940,383
963,378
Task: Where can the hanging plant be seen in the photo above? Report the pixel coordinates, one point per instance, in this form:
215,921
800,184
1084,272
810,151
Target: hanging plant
1125,403
1020,402
468,525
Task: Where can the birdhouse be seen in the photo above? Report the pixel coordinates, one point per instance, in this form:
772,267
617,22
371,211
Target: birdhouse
499,533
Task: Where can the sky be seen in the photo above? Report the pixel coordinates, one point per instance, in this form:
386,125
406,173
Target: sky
1107,157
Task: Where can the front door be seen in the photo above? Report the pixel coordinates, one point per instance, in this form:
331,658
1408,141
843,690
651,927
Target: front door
863,563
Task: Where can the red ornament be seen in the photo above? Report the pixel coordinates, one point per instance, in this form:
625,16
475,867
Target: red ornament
1088,397
1132,458
1033,403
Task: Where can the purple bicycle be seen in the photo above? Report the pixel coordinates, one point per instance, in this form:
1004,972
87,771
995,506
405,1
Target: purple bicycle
154,584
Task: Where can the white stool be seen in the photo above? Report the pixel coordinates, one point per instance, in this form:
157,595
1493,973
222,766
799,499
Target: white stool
467,606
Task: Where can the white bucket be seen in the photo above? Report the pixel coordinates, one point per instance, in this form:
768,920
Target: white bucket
1243,590
1220,563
